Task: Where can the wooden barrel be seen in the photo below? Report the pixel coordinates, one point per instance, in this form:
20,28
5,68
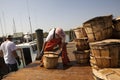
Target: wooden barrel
105,54
98,28
80,32
116,28
50,60
82,44
82,56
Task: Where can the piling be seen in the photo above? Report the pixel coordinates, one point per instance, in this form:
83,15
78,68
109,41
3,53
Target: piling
39,37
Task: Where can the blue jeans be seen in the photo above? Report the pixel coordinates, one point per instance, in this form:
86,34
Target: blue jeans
12,67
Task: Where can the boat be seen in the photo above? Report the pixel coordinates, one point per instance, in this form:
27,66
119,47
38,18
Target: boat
27,52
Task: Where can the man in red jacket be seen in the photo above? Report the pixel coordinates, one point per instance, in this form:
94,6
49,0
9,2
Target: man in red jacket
56,37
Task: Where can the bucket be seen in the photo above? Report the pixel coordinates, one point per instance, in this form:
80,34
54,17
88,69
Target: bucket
98,28
105,54
80,32
50,60
82,56
82,44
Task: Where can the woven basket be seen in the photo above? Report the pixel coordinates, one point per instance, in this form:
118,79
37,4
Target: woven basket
80,32
82,56
81,44
50,60
105,54
98,28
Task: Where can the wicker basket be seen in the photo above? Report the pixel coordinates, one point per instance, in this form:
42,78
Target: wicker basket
82,56
116,29
80,32
98,28
105,54
50,60
81,44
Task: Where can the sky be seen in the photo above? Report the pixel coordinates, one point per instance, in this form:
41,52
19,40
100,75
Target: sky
29,15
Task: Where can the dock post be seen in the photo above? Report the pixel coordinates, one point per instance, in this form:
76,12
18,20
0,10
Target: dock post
40,37
71,35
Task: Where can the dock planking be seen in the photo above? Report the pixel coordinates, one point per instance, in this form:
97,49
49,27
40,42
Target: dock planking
34,72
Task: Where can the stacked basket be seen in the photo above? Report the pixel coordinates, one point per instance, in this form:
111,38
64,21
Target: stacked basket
99,28
116,28
82,45
50,60
105,49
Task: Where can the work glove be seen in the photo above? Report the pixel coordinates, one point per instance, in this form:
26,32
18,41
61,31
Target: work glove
18,60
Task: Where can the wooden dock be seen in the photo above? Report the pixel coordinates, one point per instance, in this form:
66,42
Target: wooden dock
34,72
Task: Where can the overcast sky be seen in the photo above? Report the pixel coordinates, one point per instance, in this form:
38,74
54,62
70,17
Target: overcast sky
45,14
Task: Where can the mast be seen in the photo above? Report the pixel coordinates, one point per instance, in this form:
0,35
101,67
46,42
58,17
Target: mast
4,22
29,20
14,26
1,26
